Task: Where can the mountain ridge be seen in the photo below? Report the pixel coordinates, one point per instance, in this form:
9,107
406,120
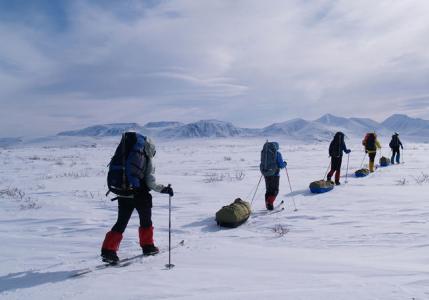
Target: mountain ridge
321,128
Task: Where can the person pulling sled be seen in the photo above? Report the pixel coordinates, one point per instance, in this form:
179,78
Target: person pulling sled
336,149
394,144
271,163
131,177
371,145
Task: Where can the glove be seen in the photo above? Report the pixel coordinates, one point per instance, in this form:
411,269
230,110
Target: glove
402,147
285,164
348,151
168,190
366,151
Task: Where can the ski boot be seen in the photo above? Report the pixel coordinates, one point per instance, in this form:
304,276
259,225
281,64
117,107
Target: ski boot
110,247
150,250
269,206
109,256
269,202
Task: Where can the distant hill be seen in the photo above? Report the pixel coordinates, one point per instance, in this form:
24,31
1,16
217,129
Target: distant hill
322,128
203,128
299,129
162,125
6,142
407,126
104,130
351,126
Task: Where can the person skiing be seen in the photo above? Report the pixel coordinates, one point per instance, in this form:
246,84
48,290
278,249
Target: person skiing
271,163
336,149
394,144
140,177
371,145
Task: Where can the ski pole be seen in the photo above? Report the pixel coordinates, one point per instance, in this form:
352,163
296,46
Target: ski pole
362,160
169,265
257,187
290,186
327,170
347,170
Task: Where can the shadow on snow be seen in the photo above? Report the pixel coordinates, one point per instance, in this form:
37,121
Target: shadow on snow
207,225
30,279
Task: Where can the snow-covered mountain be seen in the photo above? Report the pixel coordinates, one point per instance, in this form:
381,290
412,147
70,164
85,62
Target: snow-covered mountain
6,142
104,130
407,126
285,128
320,129
299,129
350,126
162,125
203,128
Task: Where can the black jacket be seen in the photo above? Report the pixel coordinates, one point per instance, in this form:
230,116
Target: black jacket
337,145
395,143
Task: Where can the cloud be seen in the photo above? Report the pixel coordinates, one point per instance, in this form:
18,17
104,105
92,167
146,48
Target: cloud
258,62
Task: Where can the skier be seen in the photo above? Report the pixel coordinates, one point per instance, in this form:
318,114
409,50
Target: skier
140,174
394,144
336,149
371,146
271,163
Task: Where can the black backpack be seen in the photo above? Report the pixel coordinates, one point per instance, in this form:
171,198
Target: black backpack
394,142
335,148
268,164
117,181
370,142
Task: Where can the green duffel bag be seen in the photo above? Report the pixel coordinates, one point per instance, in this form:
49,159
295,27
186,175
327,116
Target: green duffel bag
233,215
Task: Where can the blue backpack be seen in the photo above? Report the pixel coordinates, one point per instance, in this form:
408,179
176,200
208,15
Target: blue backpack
117,179
268,164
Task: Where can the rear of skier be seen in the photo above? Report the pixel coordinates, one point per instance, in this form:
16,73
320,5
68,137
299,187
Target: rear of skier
336,149
371,146
394,144
140,178
271,163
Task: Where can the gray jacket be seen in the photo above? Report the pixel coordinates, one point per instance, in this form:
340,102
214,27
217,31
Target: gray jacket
140,164
149,173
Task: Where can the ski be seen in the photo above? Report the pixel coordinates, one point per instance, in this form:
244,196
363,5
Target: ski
122,262
277,208
275,211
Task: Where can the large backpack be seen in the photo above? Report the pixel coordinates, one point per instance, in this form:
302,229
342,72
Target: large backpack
335,147
370,142
268,164
394,142
117,181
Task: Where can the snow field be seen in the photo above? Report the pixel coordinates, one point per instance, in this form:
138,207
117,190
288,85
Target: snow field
367,239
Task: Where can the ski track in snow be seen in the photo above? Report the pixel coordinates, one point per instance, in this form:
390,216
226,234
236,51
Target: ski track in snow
367,239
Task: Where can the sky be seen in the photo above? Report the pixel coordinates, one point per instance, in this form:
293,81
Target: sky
71,64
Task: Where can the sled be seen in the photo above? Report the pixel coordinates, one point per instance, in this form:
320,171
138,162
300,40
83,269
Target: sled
233,215
362,173
321,186
384,161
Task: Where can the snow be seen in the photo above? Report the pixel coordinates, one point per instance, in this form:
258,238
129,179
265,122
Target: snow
367,239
